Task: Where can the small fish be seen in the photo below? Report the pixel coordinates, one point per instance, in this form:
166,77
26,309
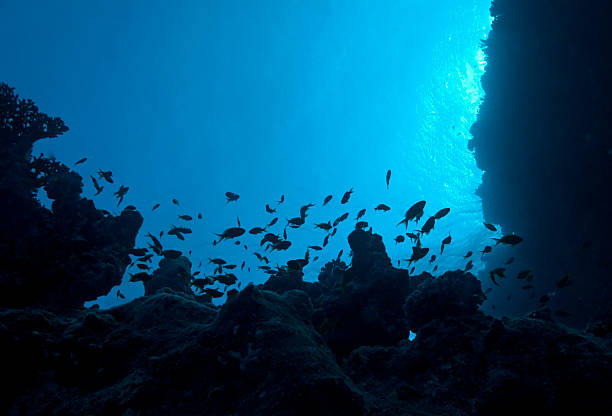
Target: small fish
399,239
333,233
428,226
360,214
274,220
388,177
511,239
236,243
435,268
468,254
140,277
229,233
340,218
120,295
509,261
155,241
564,282
175,201
214,293
486,250
78,162
325,240
256,230
412,236
496,272
346,196
130,208
199,215
242,265
468,266
230,196
339,255
270,210
238,221
315,258
382,207
285,233
527,287
269,237
317,248
295,222
432,259
442,213
327,199
490,226
415,212
304,209
523,274
139,252
185,217
171,254
145,258
359,226
217,261
96,185
281,245
106,175
227,279
445,242
324,226
418,253
155,207
281,200
121,193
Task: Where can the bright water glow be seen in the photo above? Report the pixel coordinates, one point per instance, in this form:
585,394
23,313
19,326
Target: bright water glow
301,98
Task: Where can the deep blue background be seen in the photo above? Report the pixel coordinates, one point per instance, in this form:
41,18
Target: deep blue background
262,98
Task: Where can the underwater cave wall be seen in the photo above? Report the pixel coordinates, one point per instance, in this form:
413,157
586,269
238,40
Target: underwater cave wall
544,140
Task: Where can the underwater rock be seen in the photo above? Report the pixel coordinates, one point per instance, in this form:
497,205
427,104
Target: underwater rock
174,274
60,258
452,294
543,140
369,254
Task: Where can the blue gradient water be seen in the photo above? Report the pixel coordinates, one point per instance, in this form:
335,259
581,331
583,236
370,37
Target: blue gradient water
301,98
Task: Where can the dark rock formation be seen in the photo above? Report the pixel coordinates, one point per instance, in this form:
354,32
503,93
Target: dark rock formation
59,258
544,139
174,274
345,351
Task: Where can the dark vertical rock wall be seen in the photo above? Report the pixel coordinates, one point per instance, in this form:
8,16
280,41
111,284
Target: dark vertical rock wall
55,258
544,139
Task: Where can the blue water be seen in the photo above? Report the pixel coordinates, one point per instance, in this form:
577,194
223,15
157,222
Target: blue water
301,98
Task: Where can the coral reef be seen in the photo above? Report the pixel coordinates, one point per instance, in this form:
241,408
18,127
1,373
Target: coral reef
55,258
342,350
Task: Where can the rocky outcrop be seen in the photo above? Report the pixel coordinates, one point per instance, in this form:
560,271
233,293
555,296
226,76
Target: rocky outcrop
56,258
544,141
341,350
